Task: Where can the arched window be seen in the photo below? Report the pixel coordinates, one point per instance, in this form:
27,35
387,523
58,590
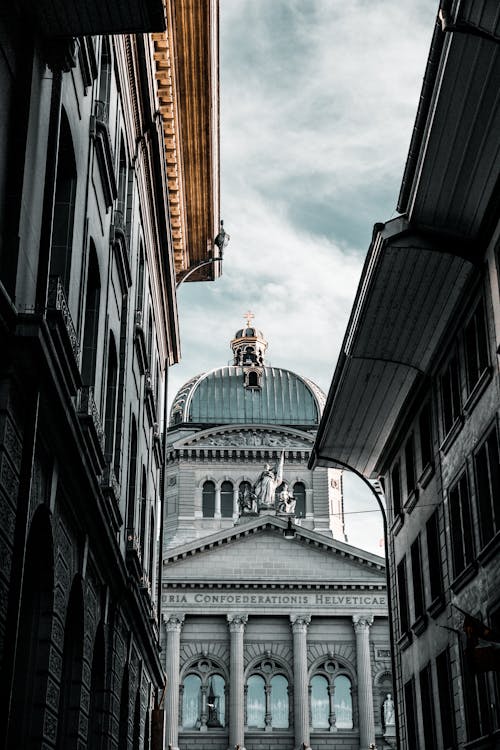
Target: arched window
226,500
299,493
131,486
35,623
279,702
91,329
152,543
102,104
342,699
124,712
191,702
208,500
110,410
97,691
142,535
139,304
70,692
320,704
121,203
64,207
252,380
256,702
216,701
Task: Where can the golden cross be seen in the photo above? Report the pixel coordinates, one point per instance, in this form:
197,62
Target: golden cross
249,316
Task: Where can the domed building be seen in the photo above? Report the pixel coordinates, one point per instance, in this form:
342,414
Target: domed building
271,619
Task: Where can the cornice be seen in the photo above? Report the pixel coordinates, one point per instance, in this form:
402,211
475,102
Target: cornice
186,60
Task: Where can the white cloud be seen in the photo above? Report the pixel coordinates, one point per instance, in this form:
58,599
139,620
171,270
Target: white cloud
318,99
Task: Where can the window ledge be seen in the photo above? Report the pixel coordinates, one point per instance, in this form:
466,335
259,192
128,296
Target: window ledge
467,574
411,501
397,524
419,625
405,640
489,549
452,434
426,476
478,390
436,606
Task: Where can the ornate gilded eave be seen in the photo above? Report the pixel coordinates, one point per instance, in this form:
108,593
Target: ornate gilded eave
186,59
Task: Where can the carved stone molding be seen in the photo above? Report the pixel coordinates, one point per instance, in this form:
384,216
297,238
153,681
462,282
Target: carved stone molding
237,622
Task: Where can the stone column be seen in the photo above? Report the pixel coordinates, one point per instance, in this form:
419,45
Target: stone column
217,502
236,507
300,681
237,624
362,624
173,626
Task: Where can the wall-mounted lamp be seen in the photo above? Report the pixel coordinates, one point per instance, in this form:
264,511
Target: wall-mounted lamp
221,241
289,532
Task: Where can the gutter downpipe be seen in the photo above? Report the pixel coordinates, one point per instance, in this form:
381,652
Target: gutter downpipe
315,458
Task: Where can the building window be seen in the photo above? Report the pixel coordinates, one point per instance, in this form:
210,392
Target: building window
110,408
418,587
411,714
320,704
450,395
404,620
91,324
425,428
208,500
342,702
203,693
396,489
487,469
476,347
267,703
446,708
299,493
64,207
434,557
331,698
462,546
279,702
226,500
256,702
411,479
427,699
191,701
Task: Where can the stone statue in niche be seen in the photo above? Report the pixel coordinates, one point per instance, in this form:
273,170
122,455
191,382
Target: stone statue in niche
246,499
266,484
286,501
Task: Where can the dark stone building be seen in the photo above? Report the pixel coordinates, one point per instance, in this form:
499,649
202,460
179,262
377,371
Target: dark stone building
107,162
415,398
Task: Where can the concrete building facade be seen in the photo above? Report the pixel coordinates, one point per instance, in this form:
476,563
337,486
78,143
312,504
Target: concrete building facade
415,398
275,628
95,226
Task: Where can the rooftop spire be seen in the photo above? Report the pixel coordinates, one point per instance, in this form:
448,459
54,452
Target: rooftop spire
249,344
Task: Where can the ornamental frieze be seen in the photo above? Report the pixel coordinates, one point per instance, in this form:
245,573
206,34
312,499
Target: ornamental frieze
250,439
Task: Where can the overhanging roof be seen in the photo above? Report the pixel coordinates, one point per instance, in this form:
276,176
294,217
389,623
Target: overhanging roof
407,294
418,265
451,180
71,18
187,74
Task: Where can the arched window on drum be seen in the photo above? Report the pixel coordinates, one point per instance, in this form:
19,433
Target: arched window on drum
226,500
208,500
299,493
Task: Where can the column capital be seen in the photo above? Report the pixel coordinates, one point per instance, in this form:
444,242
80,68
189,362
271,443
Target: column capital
173,623
237,622
362,623
300,623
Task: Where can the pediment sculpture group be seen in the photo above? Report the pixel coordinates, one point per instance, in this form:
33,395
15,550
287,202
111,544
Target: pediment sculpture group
262,495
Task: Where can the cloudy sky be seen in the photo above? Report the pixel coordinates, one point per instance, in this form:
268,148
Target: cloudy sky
318,99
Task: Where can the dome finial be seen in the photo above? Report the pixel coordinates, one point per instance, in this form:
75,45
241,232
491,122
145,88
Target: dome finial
249,316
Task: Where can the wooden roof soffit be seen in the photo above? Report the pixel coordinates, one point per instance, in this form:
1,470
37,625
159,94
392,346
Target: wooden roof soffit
187,74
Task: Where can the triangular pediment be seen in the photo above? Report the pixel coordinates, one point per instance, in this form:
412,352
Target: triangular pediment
249,437
256,551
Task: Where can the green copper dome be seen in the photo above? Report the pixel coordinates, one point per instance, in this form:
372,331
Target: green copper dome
221,397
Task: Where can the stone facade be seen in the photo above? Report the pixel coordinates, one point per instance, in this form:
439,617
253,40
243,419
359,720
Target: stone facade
88,325
275,629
